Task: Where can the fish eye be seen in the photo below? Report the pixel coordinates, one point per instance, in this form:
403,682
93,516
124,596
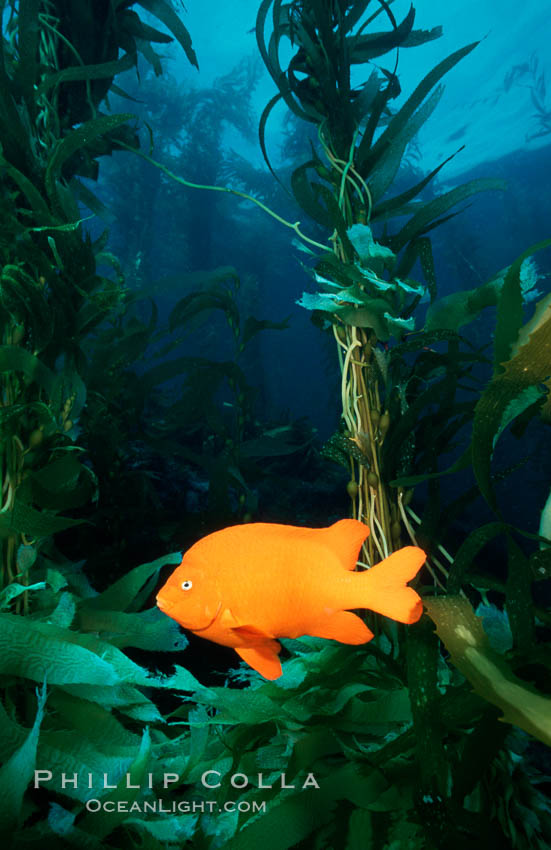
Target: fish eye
186,585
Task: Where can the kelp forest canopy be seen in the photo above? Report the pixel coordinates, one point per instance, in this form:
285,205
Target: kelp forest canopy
119,444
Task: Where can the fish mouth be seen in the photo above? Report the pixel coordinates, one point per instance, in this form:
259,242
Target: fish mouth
166,608
162,605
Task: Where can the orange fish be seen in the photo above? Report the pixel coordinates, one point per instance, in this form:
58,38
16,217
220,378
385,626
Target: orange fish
249,584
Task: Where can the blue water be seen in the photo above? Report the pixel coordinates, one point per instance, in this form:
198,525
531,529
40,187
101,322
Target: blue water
207,137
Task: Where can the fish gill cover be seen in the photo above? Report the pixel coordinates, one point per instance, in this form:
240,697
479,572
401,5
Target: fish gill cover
119,445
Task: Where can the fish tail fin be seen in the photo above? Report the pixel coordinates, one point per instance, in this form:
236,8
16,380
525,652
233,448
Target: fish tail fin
385,587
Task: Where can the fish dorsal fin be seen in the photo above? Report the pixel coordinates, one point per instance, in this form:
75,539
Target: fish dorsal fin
344,538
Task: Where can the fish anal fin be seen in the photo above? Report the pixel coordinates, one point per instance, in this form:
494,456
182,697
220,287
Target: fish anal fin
263,658
344,538
342,626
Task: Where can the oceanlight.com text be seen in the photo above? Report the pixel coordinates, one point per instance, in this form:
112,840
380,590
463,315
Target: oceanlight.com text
173,807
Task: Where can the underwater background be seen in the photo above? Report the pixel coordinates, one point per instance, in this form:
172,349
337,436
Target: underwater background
282,263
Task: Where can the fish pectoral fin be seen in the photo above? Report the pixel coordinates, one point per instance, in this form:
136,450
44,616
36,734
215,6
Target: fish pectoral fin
227,619
252,634
342,626
263,658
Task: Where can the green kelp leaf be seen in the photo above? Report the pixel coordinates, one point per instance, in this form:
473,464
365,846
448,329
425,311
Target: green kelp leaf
88,199
402,204
22,296
37,650
253,326
370,46
314,744
360,830
336,214
540,564
125,698
545,523
509,310
168,370
335,271
166,14
13,358
518,597
436,209
27,187
95,723
526,398
369,315
233,706
13,590
391,707
365,97
133,25
422,676
462,462
149,629
361,237
69,385
289,822
67,752
264,120
286,824
397,326
64,612
272,445
77,73
11,414
64,483
26,520
146,49
127,593
275,753
307,198
330,302
497,627
74,141
57,580
332,704
542,313
459,308
468,551
463,635
125,670
26,557
195,283
61,824
12,735
507,395
387,167
176,830
18,771
212,297
69,227
509,314
398,121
